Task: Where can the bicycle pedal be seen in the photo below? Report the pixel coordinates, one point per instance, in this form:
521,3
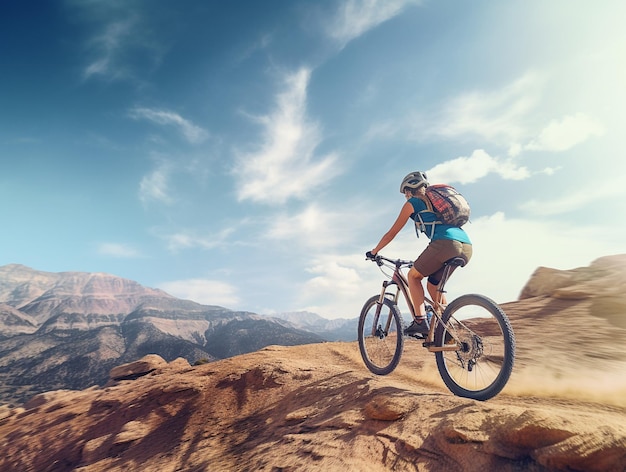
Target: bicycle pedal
415,335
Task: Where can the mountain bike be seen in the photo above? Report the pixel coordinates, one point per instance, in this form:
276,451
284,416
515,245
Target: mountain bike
471,337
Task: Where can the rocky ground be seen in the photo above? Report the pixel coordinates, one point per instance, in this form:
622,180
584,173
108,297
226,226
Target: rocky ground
311,408
316,407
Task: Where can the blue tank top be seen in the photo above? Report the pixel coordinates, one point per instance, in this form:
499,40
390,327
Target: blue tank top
441,231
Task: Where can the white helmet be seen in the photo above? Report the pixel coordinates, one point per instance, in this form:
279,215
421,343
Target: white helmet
414,180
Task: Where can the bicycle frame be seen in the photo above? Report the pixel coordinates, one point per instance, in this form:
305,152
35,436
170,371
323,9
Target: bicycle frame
471,337
402,286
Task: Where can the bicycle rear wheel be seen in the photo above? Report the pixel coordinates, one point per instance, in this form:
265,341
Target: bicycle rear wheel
482,365
380,335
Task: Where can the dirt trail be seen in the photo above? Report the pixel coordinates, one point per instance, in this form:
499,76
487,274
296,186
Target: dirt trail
317,408
530,386
313,407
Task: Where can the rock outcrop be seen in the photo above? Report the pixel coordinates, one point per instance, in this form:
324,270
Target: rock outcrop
309,407
316,407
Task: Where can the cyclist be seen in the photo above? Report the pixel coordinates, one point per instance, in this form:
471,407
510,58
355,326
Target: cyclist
446,242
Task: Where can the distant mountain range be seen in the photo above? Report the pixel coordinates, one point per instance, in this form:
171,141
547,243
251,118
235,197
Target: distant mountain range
331,330
67,330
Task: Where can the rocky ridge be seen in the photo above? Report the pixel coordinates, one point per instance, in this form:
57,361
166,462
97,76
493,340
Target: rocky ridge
68,329
316,407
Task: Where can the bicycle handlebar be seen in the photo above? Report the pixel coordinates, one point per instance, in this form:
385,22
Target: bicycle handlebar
381,259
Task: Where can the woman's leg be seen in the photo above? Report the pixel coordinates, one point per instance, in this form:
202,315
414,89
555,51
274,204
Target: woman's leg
435,295
417,291
428,262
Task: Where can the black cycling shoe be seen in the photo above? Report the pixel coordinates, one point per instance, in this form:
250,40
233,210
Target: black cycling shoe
417,328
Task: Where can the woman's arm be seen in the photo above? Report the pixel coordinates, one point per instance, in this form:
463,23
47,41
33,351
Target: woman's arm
405,213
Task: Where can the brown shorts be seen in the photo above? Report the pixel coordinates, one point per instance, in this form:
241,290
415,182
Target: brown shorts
437,252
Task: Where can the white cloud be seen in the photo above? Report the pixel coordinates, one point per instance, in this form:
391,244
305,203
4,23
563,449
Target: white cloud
335,279
313,227
506,253
192,239
503,117
285,166
561,135
154,186
356,17
191,132
478,165
123,42
495,115
263,43
108,46
204,291
118,250
611,193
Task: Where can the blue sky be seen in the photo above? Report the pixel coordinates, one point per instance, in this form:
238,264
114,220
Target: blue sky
247,154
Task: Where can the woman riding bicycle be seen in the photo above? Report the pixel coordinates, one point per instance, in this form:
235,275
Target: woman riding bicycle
446,242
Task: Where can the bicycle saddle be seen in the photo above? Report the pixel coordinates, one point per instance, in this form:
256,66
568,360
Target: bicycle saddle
456,262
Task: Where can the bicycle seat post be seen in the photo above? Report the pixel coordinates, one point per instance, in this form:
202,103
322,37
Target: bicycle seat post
449,266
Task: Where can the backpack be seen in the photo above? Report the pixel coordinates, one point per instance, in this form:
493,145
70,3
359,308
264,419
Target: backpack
448,204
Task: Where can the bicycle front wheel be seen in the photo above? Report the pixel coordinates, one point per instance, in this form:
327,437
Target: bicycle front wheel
483,363
380,335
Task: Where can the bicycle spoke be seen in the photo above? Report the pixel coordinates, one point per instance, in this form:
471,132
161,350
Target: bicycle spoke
479,361
481,366
380,344
473,341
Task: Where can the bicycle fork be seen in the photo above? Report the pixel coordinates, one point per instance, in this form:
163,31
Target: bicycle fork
390,296
377,328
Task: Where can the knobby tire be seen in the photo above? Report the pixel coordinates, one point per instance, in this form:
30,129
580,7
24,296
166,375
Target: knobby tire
482,366
380,348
